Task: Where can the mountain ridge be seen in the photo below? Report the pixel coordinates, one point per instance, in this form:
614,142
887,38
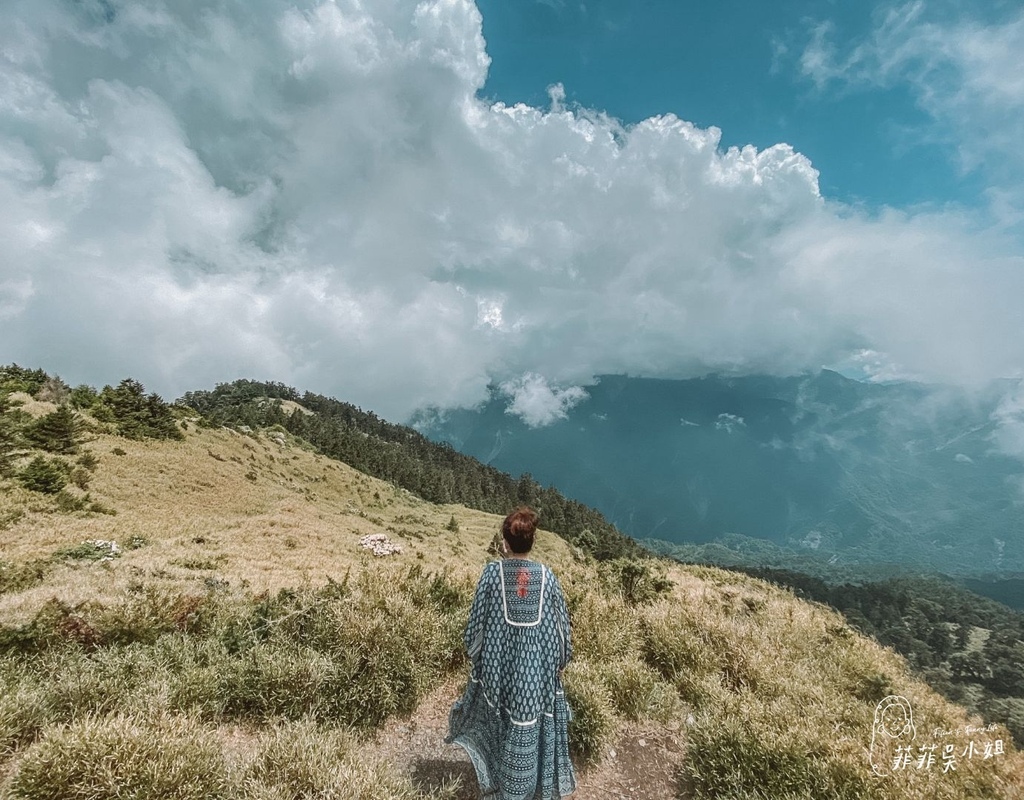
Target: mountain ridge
814,464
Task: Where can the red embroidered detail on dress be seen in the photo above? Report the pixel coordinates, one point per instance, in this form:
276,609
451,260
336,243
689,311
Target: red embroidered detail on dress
523,580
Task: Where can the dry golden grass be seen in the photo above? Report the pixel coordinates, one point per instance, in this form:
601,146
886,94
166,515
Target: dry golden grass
797,679
762,683
30,405
238,508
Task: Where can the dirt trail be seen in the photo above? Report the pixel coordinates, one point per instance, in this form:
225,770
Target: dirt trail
642,765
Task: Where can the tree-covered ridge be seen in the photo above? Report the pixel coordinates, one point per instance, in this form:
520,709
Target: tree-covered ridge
403,456
966,646
131,412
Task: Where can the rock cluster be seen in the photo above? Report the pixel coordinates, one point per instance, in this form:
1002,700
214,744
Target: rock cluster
111,549
380,544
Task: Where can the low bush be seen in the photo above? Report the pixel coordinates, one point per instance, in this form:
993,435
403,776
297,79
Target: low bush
88,461
638,581
23,709
89,550
673,645
18,577
303,760
97,758
58,432
732,758
80,477
593,720
68,502
638,692
603,629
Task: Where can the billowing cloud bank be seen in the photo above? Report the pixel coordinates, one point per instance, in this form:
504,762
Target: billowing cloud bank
313,192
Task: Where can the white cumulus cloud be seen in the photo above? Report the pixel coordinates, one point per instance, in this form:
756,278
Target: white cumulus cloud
314,192
537,403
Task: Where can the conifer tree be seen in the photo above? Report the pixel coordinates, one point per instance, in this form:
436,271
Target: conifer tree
41,475
138,415
58,432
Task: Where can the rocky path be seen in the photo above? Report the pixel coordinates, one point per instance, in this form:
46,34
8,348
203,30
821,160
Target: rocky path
642,764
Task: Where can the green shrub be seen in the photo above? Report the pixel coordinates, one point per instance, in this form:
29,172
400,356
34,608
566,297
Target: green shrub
684,654
20,379
103,413
1010,711
23,710
43,475
603,629
95,758
732,758
593,717
142,617
100,508
18,577
138,415
149,612
88,460
673,645
274,681
349,655
89,550
10,441
301,760
197,669
638,692
9,516
638,582
80,477
873,687
68,502
81,683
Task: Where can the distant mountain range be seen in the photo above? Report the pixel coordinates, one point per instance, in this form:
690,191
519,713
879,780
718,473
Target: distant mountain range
816,466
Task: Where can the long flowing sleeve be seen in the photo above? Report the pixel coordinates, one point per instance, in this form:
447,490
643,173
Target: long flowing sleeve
474,634
561,611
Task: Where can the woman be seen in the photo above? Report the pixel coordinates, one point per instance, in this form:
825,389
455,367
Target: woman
513,716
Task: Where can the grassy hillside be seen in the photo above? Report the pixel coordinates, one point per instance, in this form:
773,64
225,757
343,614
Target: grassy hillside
260,512
242,643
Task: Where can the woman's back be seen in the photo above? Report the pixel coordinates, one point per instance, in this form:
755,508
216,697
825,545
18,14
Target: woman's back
520,629
513,718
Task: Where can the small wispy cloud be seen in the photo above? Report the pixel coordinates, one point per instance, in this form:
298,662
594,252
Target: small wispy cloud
537,403
729,422
965,73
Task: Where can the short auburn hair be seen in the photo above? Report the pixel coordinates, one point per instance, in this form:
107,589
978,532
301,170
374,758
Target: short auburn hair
519,529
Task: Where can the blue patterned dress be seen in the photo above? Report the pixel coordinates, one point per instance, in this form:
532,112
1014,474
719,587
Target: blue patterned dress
513,716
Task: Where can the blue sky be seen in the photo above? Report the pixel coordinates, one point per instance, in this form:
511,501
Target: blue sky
383,201
735,64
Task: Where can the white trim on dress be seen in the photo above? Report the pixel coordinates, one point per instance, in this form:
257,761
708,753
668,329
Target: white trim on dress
540,607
